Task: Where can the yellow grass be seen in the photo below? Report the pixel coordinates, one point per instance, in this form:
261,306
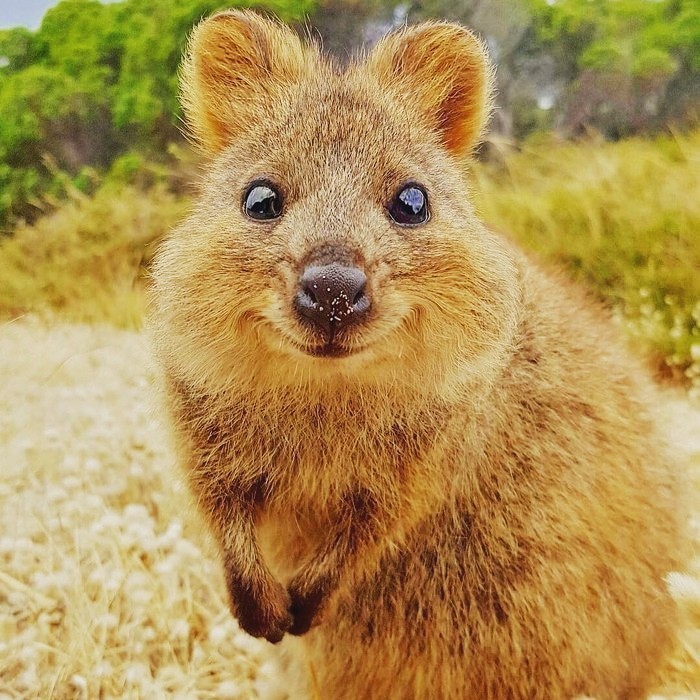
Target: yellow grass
624,218
108,588
85,261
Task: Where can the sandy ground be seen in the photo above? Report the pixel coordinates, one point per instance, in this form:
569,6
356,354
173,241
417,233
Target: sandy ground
108,587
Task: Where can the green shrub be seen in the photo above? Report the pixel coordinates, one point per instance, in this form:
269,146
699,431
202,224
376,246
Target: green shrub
95,81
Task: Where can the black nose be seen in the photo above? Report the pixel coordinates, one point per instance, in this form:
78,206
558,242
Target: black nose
332,296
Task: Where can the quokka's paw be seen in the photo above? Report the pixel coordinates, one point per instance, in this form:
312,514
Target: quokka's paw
307,604
261,610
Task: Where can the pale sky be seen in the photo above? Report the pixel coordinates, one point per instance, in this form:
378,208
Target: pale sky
25,13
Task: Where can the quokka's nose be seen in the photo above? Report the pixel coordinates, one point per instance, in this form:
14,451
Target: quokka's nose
332,296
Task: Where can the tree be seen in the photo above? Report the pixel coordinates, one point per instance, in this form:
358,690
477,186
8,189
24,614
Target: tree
618,66
95,81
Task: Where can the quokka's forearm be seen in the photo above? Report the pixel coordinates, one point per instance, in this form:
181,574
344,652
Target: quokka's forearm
258,601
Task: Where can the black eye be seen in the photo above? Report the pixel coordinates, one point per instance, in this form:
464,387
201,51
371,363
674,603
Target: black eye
410,206
262,201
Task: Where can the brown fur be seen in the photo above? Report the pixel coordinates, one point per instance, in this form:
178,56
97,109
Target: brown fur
474,502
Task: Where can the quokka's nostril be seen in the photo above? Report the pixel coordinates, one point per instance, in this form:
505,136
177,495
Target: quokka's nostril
310,292
359,296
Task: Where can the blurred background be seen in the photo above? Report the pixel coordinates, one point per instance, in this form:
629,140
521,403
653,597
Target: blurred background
107,587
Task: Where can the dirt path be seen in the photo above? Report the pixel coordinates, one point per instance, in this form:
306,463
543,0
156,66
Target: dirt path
108,587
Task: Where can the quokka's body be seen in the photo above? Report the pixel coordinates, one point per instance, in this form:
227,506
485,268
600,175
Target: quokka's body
425,456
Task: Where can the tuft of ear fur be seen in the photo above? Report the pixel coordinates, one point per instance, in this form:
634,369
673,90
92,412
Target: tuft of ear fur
443,70
235,66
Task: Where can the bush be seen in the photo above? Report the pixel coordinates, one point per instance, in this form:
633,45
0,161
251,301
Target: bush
95,81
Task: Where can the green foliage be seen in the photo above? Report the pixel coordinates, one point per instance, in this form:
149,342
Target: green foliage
620,67
623,218
94,81
630,66
638,37
16,48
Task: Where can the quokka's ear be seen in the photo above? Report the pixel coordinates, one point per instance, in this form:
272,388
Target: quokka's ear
444,71
235,66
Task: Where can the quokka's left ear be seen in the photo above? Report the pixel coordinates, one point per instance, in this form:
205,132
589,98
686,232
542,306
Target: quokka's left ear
444,71
236,69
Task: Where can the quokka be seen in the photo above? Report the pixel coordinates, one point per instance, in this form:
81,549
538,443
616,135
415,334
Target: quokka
429,458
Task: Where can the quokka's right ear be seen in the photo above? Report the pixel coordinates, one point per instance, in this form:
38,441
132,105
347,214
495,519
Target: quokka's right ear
443,71
235,66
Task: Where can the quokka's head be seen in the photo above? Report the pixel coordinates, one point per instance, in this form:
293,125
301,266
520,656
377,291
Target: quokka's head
333,238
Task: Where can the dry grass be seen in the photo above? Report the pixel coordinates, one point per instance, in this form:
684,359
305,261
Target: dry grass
108,588
85,261
621,217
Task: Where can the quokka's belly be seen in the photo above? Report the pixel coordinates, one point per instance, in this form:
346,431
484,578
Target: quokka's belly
429,623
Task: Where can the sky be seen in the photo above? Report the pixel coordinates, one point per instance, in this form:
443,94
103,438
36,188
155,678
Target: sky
25,13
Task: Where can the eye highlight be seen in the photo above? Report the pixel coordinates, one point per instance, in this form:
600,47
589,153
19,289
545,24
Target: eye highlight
262,201
409,206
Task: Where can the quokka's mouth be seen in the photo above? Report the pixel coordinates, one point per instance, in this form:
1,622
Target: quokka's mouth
319,346
329,350
330,344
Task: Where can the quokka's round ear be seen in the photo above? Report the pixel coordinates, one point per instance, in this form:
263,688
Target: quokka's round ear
235,66
442,70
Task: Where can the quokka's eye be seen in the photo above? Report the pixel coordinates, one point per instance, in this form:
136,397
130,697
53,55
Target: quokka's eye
262,201
410,206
